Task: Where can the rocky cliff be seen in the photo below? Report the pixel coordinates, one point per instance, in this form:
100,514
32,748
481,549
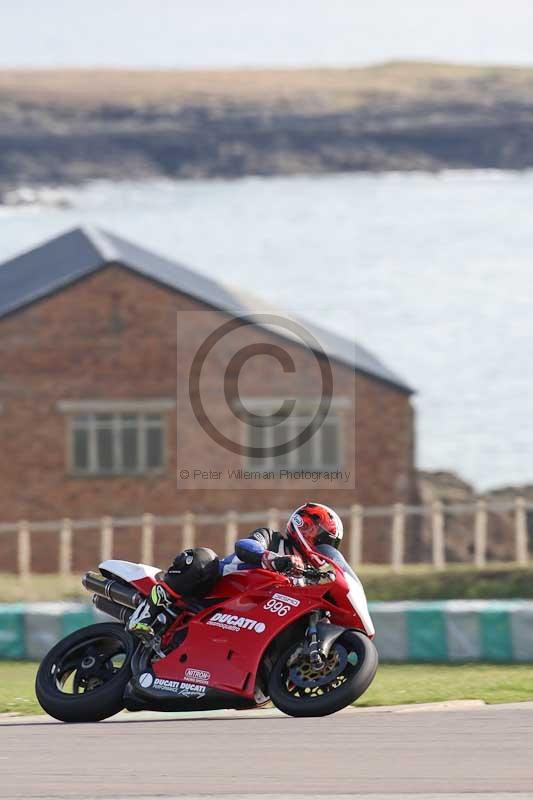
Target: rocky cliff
70,126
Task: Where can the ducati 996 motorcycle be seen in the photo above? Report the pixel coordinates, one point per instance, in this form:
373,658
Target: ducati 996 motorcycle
302,643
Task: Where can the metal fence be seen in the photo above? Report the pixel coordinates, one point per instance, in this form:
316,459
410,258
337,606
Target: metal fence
434,520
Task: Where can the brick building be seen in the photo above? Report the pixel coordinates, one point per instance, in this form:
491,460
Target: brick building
93,379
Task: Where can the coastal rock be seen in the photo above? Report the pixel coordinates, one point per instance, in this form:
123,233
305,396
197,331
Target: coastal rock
61,127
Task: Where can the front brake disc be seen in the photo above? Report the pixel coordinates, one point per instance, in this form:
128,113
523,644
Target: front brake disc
306,675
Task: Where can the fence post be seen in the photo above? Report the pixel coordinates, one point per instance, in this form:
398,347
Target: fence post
521,548
398,536
147,539
188,532
24,549
232,532
273,519
437,529
65,548
106,539
480,534
356,535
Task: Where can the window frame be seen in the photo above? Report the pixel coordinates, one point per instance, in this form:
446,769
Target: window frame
117,425
300,415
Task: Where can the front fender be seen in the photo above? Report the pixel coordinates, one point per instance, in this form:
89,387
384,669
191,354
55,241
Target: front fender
328,635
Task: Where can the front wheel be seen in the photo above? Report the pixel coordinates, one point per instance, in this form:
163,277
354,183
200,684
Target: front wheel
83,677
300,689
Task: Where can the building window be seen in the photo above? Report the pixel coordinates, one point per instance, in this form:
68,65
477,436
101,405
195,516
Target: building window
117,444
321,451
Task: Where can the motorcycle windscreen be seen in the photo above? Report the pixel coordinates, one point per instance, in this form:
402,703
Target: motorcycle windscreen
356,593
357,598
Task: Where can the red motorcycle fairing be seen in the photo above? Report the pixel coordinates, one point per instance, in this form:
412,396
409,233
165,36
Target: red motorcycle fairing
224,644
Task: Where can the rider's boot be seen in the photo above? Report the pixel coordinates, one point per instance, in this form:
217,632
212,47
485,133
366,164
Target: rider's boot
149,618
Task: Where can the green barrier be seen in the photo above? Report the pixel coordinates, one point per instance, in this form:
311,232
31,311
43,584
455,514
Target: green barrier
12,638
426,633
74,619
451,631
496,640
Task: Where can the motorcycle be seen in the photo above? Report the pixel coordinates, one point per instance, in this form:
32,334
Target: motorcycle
304,643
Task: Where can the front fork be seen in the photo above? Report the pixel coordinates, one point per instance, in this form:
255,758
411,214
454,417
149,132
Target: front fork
312,647
320,636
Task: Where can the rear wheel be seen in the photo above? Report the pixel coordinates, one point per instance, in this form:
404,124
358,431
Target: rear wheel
83,677
300,689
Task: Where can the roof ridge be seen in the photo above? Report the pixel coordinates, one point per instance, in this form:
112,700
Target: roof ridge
99,239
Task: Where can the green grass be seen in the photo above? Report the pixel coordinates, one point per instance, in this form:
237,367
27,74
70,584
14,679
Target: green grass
457,582
393,685
416,582
16,687
41,587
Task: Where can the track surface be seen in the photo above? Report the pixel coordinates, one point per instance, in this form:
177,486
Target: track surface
485,750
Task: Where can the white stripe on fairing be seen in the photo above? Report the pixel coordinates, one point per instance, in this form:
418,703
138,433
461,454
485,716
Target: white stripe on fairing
357,597
128,570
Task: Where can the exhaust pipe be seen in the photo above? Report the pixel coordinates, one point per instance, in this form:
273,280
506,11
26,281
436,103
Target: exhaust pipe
120,613
111,590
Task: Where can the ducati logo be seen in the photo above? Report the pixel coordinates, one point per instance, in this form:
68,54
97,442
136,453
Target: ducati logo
231,622
180,688
146,680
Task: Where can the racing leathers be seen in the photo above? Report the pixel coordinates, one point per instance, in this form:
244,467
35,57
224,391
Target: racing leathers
262,548
270,550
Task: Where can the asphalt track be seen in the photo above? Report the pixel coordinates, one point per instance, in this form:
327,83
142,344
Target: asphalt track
476,752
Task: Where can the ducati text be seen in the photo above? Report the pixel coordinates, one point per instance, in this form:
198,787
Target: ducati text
231,622
180,687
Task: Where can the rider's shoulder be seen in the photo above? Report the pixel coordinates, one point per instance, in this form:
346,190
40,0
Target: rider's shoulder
262,532
264,535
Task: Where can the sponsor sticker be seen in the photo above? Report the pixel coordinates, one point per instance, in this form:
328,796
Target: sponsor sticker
232,622
191,690
146,680
180,688
283,598
277,607
199,675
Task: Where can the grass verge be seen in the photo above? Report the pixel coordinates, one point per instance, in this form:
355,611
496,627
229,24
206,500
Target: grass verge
393,685
41,587
17,680
416,582
456,582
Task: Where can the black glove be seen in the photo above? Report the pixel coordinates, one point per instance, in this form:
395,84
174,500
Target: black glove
281,563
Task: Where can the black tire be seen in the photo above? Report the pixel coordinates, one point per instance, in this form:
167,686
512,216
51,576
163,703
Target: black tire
355,679
103,691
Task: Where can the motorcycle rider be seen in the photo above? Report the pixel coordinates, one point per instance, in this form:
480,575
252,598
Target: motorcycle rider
194,572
